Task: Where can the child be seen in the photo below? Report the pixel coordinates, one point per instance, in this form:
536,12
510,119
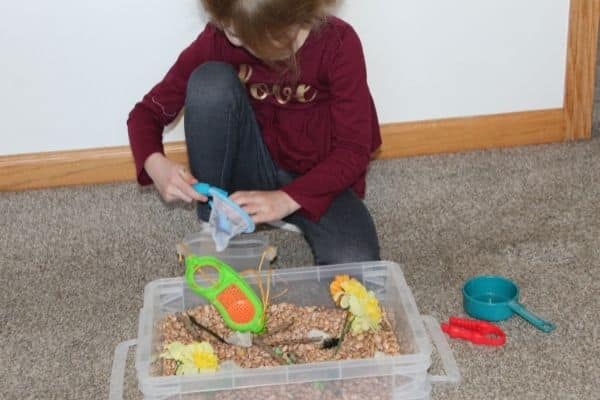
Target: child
277,112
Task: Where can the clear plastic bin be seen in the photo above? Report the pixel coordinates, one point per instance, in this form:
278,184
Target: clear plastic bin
391,377
244,251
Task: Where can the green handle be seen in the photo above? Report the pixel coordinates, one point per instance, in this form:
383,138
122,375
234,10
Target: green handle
541,324
228,279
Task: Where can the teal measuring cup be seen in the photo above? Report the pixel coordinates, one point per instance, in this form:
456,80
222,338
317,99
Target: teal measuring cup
495,298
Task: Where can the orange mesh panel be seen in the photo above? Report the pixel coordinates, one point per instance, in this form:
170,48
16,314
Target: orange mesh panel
237,304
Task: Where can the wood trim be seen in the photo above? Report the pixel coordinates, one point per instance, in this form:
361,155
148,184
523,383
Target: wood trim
581,68
115,164
78,167
470,133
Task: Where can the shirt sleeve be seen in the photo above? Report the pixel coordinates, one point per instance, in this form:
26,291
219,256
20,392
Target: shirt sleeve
352,116
162,104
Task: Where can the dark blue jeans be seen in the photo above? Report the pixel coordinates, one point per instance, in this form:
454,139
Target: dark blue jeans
226,149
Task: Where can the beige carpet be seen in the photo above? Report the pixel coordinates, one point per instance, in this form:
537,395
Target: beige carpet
74,262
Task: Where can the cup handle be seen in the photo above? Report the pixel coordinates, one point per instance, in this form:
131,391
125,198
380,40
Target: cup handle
541,324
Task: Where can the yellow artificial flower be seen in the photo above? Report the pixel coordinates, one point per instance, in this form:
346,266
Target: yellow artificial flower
193,358
350,294
355,288
335,288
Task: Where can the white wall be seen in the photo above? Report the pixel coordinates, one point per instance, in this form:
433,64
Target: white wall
71,70
463,57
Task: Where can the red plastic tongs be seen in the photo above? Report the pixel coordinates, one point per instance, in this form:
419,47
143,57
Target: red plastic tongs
475,331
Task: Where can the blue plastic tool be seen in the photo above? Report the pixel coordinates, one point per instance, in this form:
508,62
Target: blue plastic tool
227,219
495,298
208,190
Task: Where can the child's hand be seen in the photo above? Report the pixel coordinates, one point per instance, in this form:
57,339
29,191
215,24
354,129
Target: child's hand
266,206
171,179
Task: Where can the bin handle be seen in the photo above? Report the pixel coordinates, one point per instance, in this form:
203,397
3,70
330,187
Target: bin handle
117,376
441,343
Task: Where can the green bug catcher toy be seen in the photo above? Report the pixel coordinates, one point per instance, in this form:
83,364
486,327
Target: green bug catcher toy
231,295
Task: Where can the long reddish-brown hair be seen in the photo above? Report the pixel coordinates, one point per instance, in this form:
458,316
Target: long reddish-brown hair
268,27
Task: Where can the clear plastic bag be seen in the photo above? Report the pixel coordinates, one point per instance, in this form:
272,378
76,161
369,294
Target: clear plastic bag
226,221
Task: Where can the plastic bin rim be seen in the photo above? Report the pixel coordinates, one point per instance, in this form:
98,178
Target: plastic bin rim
421,355
341,365
255,238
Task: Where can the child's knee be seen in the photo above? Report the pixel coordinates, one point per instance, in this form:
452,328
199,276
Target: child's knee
213,85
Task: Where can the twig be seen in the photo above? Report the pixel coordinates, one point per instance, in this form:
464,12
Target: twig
270,350
347,322
187,324
266,299
305,340
280,329
282,293
259,278
207,329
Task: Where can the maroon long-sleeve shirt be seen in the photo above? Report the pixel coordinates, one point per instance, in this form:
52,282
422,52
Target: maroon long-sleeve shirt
323,126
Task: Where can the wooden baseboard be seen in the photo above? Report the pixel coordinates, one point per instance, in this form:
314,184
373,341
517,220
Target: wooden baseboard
39,170
472,133
74,167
